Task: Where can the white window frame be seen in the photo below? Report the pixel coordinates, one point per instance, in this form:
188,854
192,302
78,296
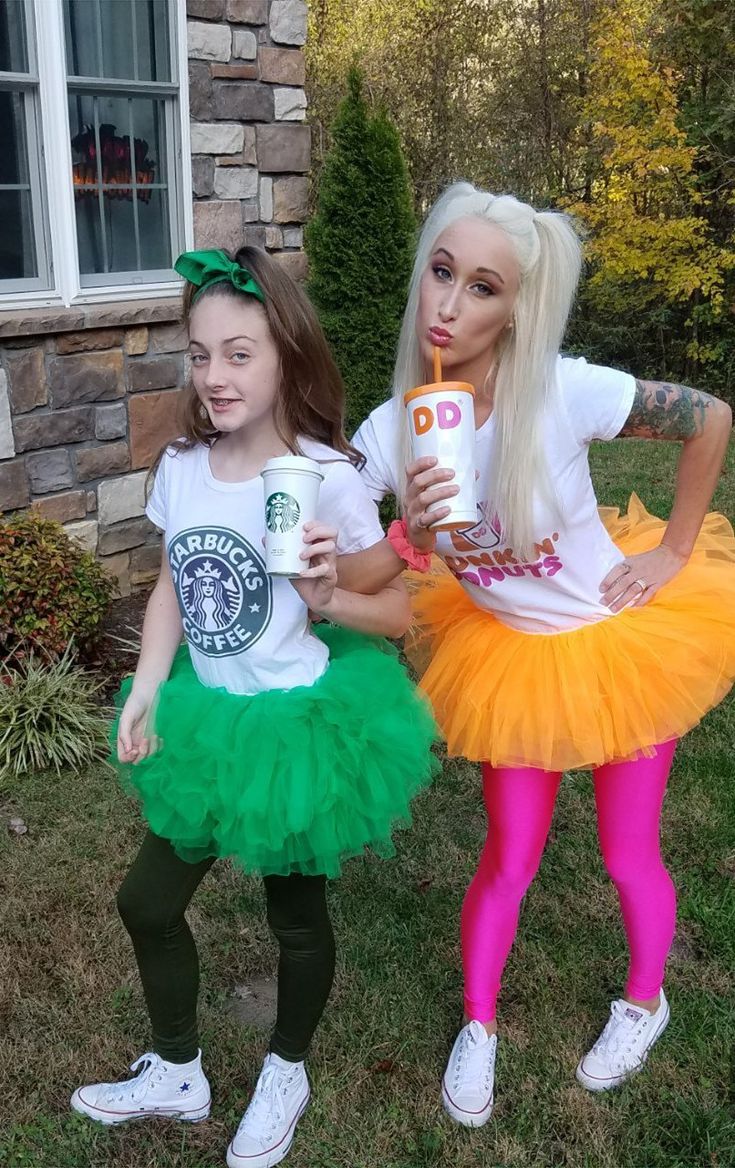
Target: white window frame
45,29
26,84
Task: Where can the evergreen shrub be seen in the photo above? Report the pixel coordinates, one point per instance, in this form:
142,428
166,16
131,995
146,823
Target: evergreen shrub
360,245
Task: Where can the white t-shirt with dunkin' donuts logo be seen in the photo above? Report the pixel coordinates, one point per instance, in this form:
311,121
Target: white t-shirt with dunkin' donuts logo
248,631
559,589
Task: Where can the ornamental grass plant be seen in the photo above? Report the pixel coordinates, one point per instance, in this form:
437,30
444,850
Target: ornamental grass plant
50,715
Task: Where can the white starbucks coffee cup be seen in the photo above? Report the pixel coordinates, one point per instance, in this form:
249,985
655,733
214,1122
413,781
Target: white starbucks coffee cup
291,490
441,423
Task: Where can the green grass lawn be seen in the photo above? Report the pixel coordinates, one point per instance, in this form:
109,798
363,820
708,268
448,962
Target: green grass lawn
71,1009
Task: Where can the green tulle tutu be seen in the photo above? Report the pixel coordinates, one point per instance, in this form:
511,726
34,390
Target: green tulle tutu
287,780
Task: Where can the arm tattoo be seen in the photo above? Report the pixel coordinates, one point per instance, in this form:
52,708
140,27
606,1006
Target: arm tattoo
663,410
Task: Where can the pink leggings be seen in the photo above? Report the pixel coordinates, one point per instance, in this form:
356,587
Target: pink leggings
520,803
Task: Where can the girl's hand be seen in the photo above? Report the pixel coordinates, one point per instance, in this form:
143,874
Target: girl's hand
637,579
317,582
133,744
426,483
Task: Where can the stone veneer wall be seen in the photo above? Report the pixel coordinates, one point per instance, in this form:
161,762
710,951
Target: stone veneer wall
88,394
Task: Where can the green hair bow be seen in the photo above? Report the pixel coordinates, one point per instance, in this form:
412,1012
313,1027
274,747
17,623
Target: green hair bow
203,268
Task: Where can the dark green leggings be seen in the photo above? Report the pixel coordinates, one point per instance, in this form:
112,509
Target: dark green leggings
152,901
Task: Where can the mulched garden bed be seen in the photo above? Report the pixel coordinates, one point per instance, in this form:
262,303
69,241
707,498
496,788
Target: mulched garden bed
111,658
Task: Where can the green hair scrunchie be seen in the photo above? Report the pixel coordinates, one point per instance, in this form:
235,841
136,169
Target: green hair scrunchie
203,268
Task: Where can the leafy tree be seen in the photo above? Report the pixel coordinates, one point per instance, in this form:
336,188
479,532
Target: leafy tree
651,247
623,110
485,90
408,56
698,37
360,245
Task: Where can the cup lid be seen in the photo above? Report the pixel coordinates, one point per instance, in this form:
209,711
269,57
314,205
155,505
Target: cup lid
294,463
438,387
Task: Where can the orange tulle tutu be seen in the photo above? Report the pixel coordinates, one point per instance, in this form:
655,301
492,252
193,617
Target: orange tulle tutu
600,692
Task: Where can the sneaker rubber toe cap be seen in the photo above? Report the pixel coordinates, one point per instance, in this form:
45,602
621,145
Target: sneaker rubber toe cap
472,1110
246,1152
595,1075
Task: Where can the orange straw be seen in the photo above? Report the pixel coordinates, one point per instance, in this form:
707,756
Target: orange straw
437,364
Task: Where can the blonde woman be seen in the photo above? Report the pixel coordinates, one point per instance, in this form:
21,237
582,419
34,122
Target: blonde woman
556,640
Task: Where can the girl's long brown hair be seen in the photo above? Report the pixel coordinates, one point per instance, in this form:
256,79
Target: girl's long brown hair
311,396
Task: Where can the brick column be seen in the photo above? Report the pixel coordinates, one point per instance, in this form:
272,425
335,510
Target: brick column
250,146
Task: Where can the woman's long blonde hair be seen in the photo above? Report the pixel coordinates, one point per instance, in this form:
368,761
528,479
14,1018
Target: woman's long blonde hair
549,255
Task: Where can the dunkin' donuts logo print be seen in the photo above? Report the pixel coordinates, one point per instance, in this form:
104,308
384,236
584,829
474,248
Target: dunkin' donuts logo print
478,554
447,415
485,534
281,512
223,591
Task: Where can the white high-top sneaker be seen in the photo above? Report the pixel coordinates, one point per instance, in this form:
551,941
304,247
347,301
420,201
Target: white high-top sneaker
267,1128
160,1089
624,1045
468,1083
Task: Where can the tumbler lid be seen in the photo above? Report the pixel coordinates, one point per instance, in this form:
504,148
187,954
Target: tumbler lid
439,387
294,464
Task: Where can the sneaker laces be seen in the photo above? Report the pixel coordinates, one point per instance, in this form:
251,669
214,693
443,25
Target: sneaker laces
475,1058
133,1090
265,1111
622,1029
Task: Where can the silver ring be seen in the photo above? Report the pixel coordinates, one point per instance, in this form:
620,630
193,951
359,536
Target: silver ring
642,585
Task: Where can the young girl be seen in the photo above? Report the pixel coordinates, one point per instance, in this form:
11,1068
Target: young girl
556,640
258,739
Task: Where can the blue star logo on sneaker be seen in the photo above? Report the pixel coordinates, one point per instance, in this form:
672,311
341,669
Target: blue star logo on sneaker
224,592
184,1088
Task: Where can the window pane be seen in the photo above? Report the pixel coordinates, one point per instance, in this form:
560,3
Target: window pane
121,207
116,242
13,52
18,258
13,155
17,244
127,39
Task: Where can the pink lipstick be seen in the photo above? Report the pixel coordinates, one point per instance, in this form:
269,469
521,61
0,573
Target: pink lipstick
440,337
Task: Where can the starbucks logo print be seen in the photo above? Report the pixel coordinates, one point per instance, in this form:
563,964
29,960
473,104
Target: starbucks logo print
210,595
281,512
223,591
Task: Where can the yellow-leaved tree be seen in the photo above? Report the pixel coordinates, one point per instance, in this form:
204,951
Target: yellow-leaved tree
650,248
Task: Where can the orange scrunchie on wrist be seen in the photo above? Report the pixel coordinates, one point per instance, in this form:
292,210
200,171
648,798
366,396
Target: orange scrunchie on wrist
398,537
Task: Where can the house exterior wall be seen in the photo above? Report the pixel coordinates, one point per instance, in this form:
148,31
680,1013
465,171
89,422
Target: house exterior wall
88,394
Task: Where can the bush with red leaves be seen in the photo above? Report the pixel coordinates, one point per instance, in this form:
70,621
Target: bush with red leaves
52,593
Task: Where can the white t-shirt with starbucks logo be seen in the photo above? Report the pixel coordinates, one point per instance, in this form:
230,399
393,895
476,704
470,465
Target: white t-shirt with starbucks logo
247,631
559,588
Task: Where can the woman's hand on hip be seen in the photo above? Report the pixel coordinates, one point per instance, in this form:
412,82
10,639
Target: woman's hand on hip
637,579
317,582
426,483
